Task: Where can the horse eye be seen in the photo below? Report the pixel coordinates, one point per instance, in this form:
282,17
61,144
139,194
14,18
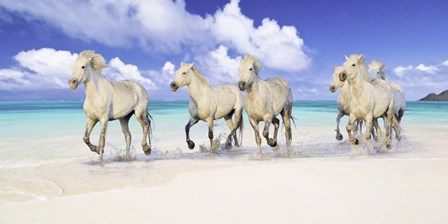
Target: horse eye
378,73
184,73
250,69
83,67
353,65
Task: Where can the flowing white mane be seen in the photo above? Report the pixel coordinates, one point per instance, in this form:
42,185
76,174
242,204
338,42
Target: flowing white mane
96,60
199,75
252,60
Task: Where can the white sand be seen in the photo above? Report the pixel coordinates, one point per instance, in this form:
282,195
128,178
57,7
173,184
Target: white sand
325,182
287,191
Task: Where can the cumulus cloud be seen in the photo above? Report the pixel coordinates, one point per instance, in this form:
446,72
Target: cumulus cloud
421,79
167,27
219,65
50,69
277,47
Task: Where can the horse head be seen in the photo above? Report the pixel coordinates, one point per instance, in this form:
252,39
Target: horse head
86,61
338,79
376,70
353,66
248,71
183,76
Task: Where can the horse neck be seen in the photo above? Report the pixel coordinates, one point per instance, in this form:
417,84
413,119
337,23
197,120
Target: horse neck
198,89
93,82
359,82
345,92
253,91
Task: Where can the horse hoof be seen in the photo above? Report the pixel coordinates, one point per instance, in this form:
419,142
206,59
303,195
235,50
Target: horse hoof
190,144
389,146
146,150
273,143
228,145
339,137
356,141
95,149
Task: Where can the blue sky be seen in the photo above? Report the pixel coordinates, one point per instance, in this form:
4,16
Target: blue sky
147,40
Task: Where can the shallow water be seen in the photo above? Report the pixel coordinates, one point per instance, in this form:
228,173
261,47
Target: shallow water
42,154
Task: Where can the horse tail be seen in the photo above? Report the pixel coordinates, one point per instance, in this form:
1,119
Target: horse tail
293,119
151,126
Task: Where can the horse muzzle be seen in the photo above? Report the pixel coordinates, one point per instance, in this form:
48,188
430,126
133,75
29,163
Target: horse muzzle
332,89
242,85
174,86
73,83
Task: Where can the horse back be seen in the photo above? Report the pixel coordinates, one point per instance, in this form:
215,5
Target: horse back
280,92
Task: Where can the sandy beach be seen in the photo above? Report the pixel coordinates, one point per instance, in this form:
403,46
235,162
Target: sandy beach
322,181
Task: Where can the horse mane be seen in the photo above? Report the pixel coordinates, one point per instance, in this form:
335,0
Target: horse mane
96,60
199,75
251,59
362,65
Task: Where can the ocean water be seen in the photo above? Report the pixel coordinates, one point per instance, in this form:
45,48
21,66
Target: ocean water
42,154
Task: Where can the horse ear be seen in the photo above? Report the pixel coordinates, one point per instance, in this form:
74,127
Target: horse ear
97,61
182,64
334,68
361,56
382,65
346,57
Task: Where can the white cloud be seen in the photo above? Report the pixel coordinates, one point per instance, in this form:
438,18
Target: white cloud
117,70
166,26
50,69
277,47
445,63
428,69
400,70
218,65
422,79
41,68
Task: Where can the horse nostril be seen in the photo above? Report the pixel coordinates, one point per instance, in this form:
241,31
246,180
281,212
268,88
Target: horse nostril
332,89
73,81
173,86
242,85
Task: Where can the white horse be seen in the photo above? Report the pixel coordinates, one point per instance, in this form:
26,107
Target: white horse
209,104
345,94
377,71
265,99
106,101
369,100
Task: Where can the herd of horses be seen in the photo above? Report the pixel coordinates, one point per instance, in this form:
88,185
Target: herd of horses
364,97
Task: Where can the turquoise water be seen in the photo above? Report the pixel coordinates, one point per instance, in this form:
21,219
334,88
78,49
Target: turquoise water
35,117
42,151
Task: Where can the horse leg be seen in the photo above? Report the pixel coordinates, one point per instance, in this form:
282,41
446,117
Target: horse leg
190,124
232,127
377,128
89,127
267,123
388,123
102,139
254,125
238,124
351,129
276,123
210,131
339,136
369,119
286,117
124,122
397,128
142,118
